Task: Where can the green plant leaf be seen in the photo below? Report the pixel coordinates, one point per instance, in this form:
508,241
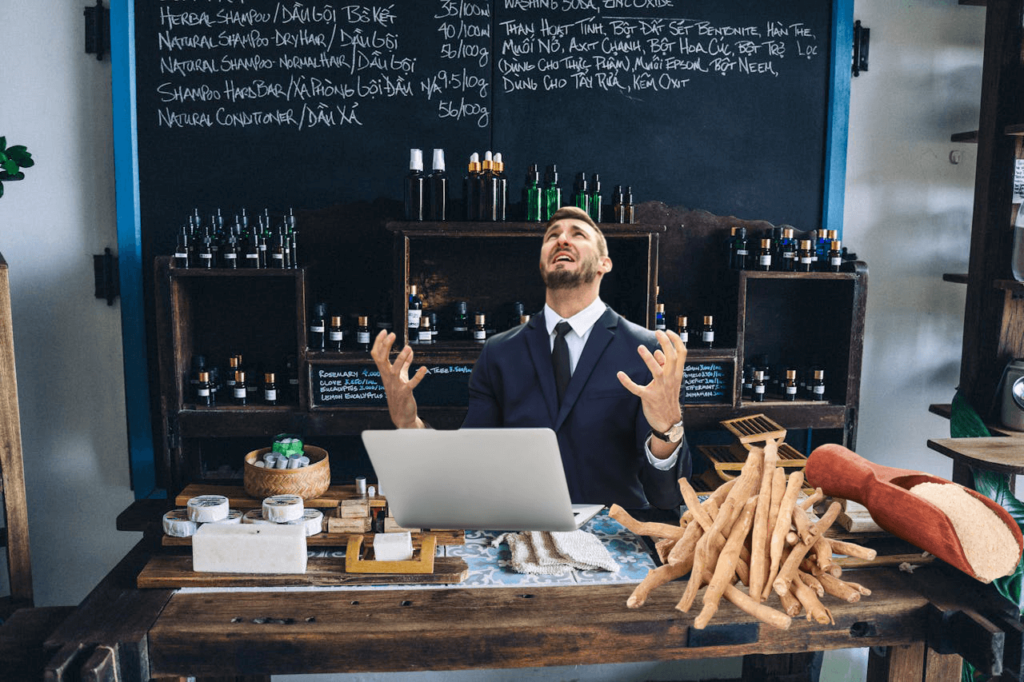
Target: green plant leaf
20,154
10,166
1,188
3,143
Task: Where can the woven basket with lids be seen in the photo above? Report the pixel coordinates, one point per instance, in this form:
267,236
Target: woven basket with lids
308,482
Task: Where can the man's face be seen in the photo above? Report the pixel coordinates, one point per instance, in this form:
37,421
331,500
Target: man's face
571,255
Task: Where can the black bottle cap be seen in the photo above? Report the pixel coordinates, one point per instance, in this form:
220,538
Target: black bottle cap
460,307
595,183
320,310
629,194
532,175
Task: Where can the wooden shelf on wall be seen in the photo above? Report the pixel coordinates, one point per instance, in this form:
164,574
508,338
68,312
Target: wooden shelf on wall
969,137
955,277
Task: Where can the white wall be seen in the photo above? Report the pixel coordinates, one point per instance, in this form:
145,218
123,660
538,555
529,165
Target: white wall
908,213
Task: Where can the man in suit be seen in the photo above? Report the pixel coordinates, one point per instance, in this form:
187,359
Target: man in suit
609,389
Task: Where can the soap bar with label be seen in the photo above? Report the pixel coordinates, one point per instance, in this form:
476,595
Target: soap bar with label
249,548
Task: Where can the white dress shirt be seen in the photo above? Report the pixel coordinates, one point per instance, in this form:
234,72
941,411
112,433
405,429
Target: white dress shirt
582,323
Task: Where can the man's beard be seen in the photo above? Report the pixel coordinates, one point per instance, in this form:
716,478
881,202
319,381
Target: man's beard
569,279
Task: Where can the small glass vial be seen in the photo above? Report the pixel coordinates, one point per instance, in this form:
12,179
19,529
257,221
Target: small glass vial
758,387
460,324
480,328
335,334
748,381
805,256
835,256
818,385
204,393
789,388
738,249
787,248
683,328
317,328
707,332
233,367
425,338
182,249
363,333
238,392
269,389
415,313
763,260
659,317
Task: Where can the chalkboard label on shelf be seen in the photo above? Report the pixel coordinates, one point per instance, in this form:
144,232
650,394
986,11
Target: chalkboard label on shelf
708,382
348,385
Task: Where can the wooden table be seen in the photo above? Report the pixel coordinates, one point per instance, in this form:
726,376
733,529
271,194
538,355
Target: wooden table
139,634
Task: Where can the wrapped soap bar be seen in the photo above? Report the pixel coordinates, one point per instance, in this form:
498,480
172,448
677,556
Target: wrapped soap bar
208,508
177,524
247,548
281,508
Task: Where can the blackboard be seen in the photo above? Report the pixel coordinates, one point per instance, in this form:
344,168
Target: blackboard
708,381
350,385
275,104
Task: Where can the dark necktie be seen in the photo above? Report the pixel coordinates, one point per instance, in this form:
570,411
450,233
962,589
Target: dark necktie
560,358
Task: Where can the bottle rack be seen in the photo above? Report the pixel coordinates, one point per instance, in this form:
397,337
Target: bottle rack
264,314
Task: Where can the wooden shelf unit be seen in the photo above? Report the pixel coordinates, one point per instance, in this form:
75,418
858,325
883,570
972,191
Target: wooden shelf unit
264,315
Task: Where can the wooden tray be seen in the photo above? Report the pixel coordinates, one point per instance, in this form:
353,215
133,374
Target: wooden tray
725,458
756,428
171,572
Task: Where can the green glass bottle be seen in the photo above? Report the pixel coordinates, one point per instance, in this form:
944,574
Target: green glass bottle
532,196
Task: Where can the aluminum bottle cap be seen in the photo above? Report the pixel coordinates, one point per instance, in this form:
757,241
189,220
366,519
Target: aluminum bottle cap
416,159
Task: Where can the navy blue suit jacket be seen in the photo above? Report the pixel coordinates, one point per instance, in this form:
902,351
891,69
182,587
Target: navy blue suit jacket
600,425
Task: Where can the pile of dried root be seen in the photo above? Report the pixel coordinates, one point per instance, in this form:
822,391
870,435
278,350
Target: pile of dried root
751,529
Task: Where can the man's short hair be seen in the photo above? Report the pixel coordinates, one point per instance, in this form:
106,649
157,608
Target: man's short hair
576,213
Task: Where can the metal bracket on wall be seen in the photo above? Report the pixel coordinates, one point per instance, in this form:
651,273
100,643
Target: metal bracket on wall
97,30
108,281
861,41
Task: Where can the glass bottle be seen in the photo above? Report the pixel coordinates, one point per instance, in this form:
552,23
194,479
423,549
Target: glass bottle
317,330
437,189
805,256
363,333
594,200
471,188
532,195
748,380
617,204
233,367
552,193
518,309
758,387
480,327
460,324
788,250
683,328
239,392
707,333
182,247
204,393
738,249
414,186
835,256
659,317
763,259
206,250
581,192
424,337
252,251
415,313
488,184
818,385
335,334
789,388
628,208
269,389
501,192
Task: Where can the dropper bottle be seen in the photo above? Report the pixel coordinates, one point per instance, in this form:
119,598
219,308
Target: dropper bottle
471,188
414,186
437,189
532,194
594,199
501,190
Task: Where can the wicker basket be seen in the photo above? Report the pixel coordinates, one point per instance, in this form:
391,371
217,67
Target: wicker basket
308,482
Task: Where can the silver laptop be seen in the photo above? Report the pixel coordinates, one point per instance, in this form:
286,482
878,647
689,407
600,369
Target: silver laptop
480,479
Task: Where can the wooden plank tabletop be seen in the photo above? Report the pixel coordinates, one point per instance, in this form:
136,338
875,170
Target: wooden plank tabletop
267,632
995,453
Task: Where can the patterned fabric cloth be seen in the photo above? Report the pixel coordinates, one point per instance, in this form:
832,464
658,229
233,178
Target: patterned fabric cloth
541,553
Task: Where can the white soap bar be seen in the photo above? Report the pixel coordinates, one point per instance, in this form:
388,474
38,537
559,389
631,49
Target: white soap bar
281,508
178,525
392,546
248,548
313,521
208,508
234,516
255,516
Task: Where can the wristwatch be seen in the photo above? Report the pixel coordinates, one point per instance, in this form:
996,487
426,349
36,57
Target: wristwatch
673,435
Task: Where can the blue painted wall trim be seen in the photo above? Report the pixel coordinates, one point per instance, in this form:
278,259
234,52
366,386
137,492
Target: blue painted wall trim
129,248
838,130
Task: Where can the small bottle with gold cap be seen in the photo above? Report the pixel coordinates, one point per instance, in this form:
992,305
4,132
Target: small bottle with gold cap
363,332
707,332
269,389
335,334
805,256
835,256
683,328
425,338
818,385
763,257
659,317
789,387
238,393
758,387
479,327
204,393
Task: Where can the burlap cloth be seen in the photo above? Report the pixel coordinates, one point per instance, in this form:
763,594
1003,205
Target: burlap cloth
555,553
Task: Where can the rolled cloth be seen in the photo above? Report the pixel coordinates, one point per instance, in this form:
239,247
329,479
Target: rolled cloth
555,553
